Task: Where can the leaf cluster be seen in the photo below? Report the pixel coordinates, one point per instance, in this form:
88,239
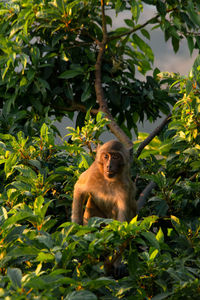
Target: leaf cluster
174,156
70,261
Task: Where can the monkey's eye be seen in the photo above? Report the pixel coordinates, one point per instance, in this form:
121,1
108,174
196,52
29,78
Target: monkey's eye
115,156
106,156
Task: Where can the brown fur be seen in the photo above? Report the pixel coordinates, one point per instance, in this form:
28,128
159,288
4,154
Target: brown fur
106,186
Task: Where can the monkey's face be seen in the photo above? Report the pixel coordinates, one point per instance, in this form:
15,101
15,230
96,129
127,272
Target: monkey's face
112,164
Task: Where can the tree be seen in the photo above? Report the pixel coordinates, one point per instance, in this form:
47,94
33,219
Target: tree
58,57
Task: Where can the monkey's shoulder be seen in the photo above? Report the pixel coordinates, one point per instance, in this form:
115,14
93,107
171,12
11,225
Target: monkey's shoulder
90,176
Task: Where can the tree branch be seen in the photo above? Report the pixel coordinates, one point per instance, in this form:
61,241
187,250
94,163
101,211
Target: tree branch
115,129
152,135
75,107
138,27
143,196
132,30
100,98
145,193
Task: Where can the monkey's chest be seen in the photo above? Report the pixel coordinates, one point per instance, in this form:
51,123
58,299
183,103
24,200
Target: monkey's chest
106,198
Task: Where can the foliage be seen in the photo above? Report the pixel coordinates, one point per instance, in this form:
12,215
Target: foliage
45,256
175,164
48,53
69,262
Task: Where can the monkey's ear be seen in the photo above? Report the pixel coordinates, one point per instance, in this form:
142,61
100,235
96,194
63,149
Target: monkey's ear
98,152
98,148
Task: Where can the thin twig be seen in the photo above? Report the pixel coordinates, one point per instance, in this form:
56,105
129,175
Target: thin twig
75,107
138,27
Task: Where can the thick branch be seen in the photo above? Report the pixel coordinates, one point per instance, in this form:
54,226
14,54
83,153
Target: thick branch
143,196
152,135
115,129
145,193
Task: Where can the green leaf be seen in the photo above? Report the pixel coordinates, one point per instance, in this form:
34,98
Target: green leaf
190,44
148,221
195,69
35,163
22,215
130,23
86,93
99,282
160,236
15,276
161,8
38,203
189,87
44,84
145,33
44,209
175,43
151,238
193,13
46,134
133,263
71,73
15,29
175,220
21,186
195,165
85,161
45,257
3,12
83,295
24,251
135,10
35,55
26,171
37,283
23,81
100,115
69,91
162,296
143,47
5,213
46,240
10,163
153,254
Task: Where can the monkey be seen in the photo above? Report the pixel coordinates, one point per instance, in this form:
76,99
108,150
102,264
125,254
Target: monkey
106,187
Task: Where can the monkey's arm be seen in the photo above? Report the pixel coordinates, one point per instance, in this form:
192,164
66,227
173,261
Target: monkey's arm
122,210
77,205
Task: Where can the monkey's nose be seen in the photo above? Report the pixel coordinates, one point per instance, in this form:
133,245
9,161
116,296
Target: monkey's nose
109,168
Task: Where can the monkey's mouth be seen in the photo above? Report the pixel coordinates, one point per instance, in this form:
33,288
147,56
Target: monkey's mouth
110,174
